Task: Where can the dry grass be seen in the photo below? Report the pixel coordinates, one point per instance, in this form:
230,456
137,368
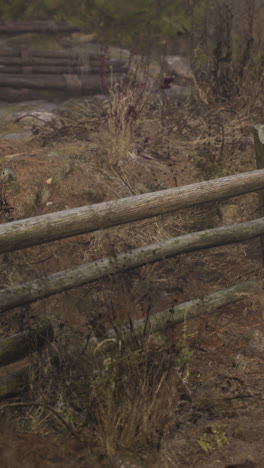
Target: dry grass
124,399
131,398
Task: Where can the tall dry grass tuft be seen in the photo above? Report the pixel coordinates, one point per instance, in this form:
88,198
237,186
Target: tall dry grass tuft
124,106
131,395
120,397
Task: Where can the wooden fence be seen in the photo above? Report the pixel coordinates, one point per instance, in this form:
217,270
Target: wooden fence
41,229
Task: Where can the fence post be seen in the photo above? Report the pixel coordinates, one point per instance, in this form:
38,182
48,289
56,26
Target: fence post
259,152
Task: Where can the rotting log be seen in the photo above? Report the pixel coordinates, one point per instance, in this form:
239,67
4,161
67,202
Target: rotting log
22,344
179,313
50,26
14,383
59,225
259,151
71,278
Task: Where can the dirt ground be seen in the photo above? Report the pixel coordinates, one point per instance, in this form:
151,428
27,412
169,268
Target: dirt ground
219,418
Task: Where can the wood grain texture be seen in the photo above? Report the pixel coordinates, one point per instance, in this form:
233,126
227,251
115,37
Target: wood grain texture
71,278
59,225
259,152
179,313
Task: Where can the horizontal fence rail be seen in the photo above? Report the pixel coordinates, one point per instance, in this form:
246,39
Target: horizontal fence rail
179,313
15,383
68,279
23,344
59,225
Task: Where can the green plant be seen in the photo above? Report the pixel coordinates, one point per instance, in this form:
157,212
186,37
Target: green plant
205,443
215,438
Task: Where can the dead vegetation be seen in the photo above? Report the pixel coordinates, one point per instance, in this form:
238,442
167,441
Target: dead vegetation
129,402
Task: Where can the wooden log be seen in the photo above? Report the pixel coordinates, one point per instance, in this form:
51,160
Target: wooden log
68,57
14,383
191,309
18,346
68,279
259,151
59,225
30,60
12,27
28,57
179,313
25,52
45,69
60,70
67,82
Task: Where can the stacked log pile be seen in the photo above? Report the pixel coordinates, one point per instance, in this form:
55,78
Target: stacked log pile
72,72
51,26
69,71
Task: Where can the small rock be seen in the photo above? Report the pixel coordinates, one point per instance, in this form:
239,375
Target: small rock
7,175
256,340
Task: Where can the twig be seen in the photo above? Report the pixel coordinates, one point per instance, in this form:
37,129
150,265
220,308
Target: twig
48,407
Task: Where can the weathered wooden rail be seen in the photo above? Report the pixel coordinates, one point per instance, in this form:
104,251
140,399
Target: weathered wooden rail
47,228
16,348
22,344
179,313
64,280
29,232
